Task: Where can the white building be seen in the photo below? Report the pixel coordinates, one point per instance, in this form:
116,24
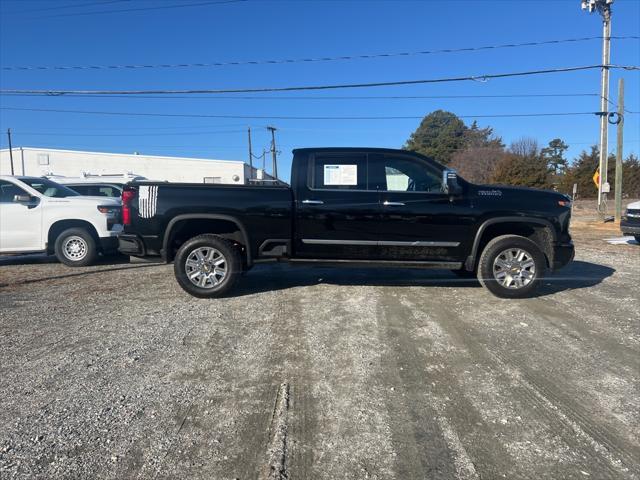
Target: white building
73,163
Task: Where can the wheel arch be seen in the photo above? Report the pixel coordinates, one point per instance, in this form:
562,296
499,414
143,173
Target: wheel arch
59,226
185,222
539,230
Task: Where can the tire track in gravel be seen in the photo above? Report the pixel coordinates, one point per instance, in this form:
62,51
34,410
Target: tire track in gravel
424,449
596,375
553,416
352,435
226,430
440,420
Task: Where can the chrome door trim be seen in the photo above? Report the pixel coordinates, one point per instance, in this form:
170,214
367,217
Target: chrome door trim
314,241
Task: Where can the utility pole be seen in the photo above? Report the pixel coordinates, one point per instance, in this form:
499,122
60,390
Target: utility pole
273,151
10,149
618,192
250,155
604,8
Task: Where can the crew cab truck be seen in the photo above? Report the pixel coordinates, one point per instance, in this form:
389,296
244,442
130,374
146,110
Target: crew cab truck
39,215
351,206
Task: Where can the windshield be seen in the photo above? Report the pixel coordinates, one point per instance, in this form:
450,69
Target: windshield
48,188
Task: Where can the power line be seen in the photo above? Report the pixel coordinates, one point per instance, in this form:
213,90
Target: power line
312,59
477,78
140,9
163,134
61,7
334,97
286,117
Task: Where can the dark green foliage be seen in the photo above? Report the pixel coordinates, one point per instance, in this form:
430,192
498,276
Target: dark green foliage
582,170
439,136
554,155
523,165
481,157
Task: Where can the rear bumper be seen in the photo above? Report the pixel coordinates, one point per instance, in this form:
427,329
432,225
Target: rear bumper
563,253
108,244
129,244
630,227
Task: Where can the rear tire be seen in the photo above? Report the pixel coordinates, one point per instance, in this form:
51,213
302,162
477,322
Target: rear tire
511,266
76,247
207,266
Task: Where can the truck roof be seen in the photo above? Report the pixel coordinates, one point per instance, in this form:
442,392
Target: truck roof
352,149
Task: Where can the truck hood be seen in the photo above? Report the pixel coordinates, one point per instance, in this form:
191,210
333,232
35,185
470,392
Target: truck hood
499,190
634,206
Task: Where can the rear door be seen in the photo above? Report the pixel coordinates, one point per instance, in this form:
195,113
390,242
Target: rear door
418,220
337,215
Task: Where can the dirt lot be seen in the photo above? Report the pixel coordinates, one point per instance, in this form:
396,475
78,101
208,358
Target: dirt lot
113,372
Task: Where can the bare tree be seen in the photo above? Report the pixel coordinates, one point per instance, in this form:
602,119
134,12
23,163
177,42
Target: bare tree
525,147
477,164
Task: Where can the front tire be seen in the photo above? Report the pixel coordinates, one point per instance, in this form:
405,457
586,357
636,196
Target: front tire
207,266
76,247
511,266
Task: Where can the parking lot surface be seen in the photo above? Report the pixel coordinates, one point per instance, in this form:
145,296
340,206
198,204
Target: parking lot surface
112,371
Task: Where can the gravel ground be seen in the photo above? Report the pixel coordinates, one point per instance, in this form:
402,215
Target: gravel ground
113,372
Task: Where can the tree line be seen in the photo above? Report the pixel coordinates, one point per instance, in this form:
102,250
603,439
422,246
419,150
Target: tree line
480,156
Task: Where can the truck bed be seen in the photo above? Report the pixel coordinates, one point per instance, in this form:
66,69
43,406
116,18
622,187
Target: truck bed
265,211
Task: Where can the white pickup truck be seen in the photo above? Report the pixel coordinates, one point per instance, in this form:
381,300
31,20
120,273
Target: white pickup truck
39,215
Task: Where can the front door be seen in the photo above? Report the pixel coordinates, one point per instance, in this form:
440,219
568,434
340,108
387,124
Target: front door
337,215
418,220
20,223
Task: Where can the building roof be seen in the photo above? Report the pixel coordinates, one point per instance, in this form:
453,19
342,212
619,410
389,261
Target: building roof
45,149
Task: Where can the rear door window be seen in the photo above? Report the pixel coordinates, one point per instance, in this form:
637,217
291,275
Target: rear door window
81,189
339,172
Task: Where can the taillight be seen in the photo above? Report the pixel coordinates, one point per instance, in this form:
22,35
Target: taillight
127,196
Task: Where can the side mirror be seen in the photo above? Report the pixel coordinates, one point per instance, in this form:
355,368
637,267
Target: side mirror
450,184
22,198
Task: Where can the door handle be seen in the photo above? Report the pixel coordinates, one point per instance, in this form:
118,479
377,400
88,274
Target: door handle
313,202
387,203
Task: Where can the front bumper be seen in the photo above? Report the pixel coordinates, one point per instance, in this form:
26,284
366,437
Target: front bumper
130,244
563,253
630,227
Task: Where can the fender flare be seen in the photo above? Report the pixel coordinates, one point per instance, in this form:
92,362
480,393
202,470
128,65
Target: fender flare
208,216
471,259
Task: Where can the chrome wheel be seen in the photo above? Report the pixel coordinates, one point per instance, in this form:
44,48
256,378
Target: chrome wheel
206,267
75,248
514,268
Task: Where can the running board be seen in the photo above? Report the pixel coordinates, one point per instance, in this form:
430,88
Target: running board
378,263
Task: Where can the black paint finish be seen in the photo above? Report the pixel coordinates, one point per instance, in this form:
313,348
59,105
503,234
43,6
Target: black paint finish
362,221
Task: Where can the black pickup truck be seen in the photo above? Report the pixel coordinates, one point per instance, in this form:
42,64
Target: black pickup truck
350,206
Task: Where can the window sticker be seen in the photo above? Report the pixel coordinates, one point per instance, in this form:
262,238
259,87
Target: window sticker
341,175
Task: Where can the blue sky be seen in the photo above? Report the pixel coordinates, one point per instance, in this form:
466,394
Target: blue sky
52,33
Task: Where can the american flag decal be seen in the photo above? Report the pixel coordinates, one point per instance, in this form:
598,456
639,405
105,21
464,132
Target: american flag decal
147,201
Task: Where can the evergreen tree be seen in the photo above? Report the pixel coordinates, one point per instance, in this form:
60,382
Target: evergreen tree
439,136
554,155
